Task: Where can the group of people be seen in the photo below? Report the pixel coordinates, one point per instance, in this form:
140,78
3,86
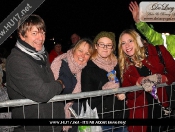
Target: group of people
57,46
86,67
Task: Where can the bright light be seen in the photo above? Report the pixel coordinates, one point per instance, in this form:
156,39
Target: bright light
52,39
165,33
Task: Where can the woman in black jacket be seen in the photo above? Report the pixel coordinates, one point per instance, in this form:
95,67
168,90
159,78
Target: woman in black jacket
95,76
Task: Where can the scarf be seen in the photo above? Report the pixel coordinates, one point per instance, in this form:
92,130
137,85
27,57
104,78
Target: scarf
39,57
74,68
105,65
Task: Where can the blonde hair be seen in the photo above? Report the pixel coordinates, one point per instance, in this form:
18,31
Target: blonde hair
88,41
124,60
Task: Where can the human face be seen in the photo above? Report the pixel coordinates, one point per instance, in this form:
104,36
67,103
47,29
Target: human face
34,38
128,45
104,52
57,48
81,54
75,38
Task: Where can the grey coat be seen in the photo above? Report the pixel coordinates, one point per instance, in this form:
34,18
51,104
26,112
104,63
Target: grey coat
26,79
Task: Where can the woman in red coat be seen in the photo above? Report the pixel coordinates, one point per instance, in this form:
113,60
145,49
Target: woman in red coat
140,65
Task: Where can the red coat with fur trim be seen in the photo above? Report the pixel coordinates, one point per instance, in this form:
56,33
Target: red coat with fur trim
131,76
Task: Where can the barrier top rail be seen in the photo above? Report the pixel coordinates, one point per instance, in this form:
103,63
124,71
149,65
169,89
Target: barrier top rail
22,102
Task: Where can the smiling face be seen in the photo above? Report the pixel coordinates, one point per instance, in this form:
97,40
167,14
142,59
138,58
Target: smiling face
34,38
105,51
81,54
128,44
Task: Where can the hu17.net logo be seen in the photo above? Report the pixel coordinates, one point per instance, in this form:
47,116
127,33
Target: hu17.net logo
157,11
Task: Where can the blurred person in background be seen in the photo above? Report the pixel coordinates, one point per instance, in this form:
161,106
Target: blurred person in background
56,51
74,39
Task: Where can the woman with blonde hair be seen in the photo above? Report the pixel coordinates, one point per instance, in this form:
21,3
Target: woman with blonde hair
67,69
140,65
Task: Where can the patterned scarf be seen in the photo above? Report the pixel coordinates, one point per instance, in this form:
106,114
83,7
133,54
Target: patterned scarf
38,56
107,65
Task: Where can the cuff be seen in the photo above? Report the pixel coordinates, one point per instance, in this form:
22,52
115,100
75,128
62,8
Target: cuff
139,80
164,79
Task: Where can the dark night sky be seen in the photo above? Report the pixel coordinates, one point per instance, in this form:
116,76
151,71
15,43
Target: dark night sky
87,17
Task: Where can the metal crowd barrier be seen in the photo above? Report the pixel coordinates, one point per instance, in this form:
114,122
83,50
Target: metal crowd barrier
25,102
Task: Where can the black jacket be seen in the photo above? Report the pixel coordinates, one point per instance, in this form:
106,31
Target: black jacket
92,79
69,81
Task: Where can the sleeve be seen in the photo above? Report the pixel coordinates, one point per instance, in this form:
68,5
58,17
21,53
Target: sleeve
51,58
126,83
66,76
151,35
169,64
87,85
28,81
170,41
4,77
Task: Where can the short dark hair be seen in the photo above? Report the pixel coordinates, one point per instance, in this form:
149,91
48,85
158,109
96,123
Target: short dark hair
32,20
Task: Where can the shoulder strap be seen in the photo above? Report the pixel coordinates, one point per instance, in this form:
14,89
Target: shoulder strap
160,57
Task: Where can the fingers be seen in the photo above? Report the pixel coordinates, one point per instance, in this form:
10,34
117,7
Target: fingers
130,8
148,89
133,6
136,5
120,96
148,86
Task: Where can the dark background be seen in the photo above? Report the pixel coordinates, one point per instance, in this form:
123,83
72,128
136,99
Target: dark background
86,17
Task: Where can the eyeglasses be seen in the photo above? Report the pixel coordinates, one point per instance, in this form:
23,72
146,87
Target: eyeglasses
103,46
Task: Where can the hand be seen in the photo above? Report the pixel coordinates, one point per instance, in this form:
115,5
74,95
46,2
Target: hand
157,78
145,83
120,96
110,85
67,111
61,83
134,8
112,76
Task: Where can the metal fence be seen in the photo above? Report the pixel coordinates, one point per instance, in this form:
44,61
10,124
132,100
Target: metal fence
101,93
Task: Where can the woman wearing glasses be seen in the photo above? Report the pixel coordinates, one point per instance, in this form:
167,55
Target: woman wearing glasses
101,73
